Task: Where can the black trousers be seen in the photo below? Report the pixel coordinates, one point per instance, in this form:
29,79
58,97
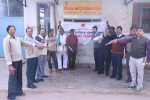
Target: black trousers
97,58
15,80
72,59
52,54
105,56
31,70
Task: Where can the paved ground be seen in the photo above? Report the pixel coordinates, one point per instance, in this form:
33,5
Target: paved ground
81,84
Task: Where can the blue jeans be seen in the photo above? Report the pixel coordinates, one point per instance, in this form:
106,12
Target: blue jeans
117,64
31,70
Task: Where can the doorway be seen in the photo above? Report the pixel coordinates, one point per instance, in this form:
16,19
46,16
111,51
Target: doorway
44,17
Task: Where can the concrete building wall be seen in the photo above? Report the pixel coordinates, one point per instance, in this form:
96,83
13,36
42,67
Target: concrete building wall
113,11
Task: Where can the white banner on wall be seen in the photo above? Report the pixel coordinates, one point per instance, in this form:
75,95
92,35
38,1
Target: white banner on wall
83,30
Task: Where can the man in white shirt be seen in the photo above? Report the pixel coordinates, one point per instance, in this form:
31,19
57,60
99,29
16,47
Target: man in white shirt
62,50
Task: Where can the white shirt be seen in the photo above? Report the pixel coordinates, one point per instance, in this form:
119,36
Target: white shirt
99,37
62,47
119,35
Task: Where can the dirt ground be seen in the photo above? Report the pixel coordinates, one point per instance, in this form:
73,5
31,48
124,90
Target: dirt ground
79,84
34,95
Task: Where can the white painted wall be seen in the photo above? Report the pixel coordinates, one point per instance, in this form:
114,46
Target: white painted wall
113,11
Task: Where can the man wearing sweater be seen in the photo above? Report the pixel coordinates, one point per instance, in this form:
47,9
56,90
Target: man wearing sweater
128,45
117,55
13,55
42,55
139,46
97,46
32,59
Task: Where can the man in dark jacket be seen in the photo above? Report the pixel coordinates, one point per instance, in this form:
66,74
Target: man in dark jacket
117,54
105,53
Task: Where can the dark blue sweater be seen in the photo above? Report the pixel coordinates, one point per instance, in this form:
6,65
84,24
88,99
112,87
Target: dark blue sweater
116,47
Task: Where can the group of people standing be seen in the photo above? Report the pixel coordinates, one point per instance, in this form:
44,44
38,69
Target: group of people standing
110,47
38,51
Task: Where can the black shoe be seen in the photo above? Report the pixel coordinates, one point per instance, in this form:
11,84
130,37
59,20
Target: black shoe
118,78
128,80
95,70
73,68
35,81
107,73
21,94
100,72
45,76
65,68
41,80
13,99
112,76
32,86
70,68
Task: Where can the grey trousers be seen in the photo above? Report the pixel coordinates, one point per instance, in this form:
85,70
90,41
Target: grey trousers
40,66
137,67
127,65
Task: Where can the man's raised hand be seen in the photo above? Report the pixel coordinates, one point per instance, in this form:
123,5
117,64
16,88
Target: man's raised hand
111,42
108,43
101,38
40,43
45,41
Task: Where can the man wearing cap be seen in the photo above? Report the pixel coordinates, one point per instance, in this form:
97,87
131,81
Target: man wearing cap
139,46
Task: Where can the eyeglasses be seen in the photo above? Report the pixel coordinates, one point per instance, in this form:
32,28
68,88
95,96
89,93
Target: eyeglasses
29,31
